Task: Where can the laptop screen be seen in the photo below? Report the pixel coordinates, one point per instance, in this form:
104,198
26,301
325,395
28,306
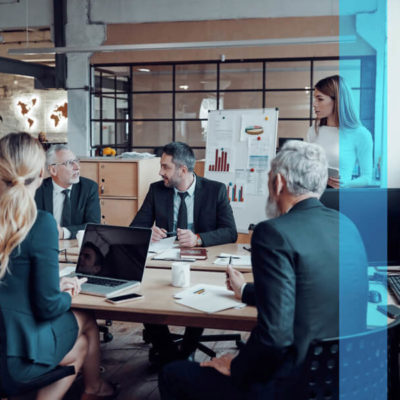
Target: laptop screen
114,251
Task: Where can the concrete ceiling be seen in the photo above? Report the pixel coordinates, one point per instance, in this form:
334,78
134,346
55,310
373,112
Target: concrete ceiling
25,23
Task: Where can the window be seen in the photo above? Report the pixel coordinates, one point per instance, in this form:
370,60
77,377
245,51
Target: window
139,107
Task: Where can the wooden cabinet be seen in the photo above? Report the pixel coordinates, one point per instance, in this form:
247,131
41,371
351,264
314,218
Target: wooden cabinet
123,185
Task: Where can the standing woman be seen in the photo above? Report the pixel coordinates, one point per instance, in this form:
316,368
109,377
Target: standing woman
41,330
339,131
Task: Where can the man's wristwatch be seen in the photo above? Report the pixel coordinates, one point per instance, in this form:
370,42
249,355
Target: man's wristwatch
198,241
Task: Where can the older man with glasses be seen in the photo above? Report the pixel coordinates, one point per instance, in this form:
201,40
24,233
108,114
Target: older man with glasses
73,200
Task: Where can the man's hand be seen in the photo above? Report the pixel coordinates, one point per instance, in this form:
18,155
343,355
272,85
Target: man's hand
60,232
221,364
186,238
71,285
158,233
234,281
335,182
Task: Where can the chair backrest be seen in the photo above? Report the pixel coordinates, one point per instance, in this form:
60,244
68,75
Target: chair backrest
10,387
361,366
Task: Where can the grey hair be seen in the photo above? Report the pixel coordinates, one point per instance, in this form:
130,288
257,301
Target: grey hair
51,153
181,153
304,167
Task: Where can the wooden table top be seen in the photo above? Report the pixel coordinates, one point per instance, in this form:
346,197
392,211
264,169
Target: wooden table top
158,305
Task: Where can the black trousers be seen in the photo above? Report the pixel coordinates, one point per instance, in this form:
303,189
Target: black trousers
185,380
161,339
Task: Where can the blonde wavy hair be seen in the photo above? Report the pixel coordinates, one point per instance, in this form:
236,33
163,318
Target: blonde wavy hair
21,163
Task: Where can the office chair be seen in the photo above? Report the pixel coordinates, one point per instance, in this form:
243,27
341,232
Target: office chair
10,388
177,338
212,338
368,364
104,329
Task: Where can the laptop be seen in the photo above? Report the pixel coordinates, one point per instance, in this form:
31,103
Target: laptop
112,258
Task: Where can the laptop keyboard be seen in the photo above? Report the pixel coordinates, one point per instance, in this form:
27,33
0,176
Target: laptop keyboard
394,284
101,281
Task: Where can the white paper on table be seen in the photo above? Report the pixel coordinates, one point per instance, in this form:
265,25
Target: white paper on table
162,245
66,271
208,298
174,253
223,259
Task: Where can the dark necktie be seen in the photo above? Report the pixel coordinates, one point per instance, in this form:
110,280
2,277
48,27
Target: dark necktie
66,211
182,212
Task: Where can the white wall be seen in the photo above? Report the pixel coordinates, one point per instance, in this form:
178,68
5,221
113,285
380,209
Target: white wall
125,11
393,110
33,13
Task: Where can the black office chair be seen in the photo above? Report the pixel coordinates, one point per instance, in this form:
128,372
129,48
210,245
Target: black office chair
369,363
10,388
177,338
105,330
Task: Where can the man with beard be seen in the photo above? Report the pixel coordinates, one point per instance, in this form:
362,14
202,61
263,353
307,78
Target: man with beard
73,200
198,212
296,262
203,218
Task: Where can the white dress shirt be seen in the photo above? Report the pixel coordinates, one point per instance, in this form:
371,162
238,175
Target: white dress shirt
58,204
189,200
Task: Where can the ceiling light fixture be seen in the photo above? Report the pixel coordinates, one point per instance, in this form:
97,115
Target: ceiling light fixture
144,69
188,45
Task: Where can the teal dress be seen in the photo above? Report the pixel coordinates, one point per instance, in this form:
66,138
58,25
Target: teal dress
40,328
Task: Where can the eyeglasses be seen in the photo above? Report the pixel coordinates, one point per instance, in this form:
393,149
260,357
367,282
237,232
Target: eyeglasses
68,163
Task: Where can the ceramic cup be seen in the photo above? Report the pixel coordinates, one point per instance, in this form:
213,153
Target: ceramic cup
180,274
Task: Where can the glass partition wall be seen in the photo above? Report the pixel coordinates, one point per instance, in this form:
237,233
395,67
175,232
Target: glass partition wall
141,107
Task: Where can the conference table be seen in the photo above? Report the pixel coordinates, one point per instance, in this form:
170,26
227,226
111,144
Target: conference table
159,306
69,252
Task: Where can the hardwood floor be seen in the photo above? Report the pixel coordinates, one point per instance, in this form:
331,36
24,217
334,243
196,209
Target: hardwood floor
125,361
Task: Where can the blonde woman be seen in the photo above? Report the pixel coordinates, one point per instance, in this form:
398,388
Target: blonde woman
339,131
41,330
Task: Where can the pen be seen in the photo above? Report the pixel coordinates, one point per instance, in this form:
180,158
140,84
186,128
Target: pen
247,248
230,257
175,259
200,291
230,260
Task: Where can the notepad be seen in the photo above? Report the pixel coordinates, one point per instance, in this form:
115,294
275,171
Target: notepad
66,271
208,298
162,245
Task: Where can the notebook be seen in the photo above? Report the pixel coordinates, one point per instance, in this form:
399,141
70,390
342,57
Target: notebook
112,258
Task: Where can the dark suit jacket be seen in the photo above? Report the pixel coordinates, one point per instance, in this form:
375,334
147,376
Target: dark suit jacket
213,218
85,204
295,261
30,297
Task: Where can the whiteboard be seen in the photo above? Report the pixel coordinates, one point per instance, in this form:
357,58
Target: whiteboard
240,146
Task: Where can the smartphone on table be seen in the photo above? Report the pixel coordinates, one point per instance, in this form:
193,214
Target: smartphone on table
390,310
124,298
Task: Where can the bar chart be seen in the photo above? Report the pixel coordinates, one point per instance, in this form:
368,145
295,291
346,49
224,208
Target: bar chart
220,162
235,193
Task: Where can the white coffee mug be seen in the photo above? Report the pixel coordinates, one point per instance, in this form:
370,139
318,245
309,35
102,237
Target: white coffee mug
79,237
180,274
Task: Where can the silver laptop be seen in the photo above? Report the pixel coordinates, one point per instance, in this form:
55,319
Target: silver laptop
112,258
